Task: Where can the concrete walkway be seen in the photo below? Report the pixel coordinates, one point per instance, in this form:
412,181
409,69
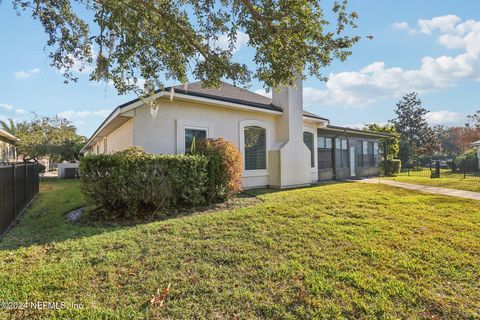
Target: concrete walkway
426,189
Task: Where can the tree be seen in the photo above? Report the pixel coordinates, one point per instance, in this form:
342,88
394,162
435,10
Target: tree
393,143
52,136
12,126
456,140
475,119
145,41
417,138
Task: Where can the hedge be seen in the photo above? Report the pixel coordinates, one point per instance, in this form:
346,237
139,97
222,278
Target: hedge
133,183
393,167
467,162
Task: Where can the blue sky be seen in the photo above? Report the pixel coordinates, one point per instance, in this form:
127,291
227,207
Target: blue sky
429,46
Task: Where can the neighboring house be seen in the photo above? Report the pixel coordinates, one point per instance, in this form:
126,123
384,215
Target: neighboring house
282,145
7,147
476,144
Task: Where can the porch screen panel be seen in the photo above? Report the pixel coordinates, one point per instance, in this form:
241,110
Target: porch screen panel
371,157
308,140
255,148
366,158
325,150
375,154
341,153
359,153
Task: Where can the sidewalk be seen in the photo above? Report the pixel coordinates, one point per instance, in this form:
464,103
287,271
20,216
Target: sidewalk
426,189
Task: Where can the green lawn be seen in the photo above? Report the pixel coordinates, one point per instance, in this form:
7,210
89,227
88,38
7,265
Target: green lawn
469,184
345,250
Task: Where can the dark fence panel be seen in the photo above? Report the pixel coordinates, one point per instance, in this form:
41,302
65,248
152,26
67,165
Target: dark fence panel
20,188
7,203
19,184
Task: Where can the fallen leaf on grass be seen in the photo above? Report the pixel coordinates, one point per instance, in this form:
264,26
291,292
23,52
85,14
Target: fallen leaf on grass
159,298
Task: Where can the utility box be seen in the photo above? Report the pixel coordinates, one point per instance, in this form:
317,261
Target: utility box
68,170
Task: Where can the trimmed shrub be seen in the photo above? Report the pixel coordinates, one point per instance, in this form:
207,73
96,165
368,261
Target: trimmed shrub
467,162
393,167
133,184
224,168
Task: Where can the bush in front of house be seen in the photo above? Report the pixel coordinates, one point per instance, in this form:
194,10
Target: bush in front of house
135,184
467,162
224,168
393,167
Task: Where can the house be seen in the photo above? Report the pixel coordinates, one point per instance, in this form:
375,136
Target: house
476,144
8,144
282,145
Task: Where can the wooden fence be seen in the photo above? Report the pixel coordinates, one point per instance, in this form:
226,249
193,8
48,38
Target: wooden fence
19,184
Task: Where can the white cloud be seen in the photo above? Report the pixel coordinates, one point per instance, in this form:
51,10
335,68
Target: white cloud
264,93
12,109
84,114
443,23
223,41
444,117
26,74
377,81
403,26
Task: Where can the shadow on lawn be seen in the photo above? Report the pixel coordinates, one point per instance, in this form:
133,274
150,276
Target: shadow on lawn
46,221
42,224
263,191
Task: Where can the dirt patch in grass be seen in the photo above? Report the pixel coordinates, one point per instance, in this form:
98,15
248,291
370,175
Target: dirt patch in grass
240,201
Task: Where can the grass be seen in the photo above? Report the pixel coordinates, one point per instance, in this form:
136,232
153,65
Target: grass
455,181
343,250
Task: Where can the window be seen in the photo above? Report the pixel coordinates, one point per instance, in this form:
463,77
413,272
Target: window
371,158
98,148
308,140
341,153
324,153
255,144
105,146
191,136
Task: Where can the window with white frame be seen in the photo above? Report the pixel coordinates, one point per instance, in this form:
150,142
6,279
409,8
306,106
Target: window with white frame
192,137
308,139
255,147
105,147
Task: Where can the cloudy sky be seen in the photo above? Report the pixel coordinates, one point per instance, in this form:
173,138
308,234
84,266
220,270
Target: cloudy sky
430,46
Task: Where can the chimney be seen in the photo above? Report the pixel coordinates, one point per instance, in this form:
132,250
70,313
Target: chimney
291,165
290,100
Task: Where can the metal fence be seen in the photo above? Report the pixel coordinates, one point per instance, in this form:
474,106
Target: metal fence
439,172
19,184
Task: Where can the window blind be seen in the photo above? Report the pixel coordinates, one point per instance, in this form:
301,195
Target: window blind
255,140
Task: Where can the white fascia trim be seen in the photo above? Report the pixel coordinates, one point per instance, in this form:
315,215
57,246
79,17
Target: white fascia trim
113,115
315,120
8,135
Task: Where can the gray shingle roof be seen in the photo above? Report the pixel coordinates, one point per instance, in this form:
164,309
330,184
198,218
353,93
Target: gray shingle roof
230,93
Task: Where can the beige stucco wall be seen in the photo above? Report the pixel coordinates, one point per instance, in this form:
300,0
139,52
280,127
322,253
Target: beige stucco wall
121,138
118,140
164,133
